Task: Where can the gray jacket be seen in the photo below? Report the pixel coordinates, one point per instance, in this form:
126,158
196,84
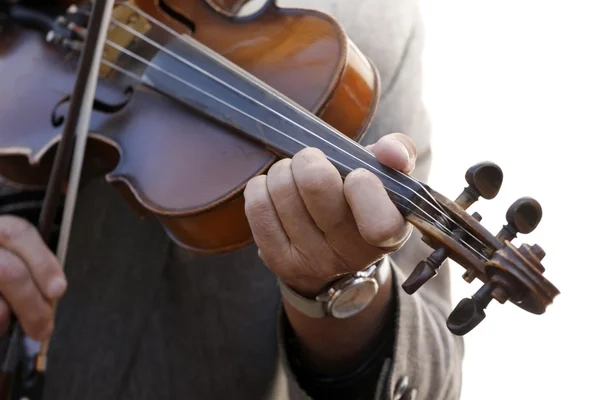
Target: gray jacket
143,319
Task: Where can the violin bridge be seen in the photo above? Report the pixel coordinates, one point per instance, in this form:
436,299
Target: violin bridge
122,15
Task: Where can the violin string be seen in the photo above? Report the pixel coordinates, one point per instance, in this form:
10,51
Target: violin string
141,80
426,216
150,64
179,58
208,52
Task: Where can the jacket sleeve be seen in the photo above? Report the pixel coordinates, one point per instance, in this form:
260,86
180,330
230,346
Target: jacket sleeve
426,356
424,359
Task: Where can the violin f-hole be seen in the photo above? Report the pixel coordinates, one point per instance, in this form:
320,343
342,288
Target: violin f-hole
176,15
57,119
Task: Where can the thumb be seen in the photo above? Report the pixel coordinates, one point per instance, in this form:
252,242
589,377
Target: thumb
397,151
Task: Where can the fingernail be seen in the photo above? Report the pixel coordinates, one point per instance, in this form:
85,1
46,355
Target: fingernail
57,287
410,161
405,151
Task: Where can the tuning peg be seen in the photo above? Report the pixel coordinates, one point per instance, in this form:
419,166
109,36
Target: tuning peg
523,216
425,270
535,254
484,180
470,312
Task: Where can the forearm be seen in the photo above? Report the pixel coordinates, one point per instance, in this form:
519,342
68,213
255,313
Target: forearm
334,346
408,340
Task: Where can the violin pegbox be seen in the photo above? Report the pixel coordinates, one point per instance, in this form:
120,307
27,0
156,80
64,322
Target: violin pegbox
507,272
484,180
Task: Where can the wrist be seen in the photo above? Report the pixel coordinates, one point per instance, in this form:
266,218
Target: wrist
341,298
349,374
334,346
311,287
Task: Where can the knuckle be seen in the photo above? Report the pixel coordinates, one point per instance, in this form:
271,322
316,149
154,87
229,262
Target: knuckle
315,184
309,155
15,230
253,185
381,232
360,177
11,270
280,182
39,327
278,262
257,204
316,175
37,322
11,228
4,314
280,166
279,178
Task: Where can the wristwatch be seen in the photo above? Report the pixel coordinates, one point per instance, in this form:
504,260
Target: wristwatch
346,297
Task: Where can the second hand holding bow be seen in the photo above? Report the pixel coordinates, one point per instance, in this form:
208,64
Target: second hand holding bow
68,163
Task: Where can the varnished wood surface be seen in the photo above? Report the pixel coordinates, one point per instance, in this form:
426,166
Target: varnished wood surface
170,161
201,166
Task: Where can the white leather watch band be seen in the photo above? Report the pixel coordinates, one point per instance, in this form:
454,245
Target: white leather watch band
320,306
312,308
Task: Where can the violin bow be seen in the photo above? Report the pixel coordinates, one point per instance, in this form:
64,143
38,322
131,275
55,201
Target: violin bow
67,163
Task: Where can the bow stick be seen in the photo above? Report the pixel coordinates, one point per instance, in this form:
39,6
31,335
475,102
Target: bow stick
68,162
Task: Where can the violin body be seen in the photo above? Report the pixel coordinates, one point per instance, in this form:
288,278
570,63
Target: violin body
165,158
192,102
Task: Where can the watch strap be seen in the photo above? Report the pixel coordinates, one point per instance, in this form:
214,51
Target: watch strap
319,308
312,308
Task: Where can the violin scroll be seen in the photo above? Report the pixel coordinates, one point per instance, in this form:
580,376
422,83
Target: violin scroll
484,180
507,272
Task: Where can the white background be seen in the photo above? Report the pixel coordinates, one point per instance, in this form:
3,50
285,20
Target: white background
518,82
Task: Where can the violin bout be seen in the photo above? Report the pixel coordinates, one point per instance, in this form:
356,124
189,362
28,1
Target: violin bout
180,157
165,159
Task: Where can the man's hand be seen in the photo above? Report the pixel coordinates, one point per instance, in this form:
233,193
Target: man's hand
311,226
30,278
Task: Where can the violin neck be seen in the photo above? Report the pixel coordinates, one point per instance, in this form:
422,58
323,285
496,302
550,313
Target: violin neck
193,74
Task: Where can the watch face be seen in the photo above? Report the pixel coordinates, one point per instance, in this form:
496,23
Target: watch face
354,298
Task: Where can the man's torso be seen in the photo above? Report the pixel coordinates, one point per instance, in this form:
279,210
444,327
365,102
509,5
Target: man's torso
143,319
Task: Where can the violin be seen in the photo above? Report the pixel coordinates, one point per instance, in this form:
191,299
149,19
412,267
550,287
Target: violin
162,92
